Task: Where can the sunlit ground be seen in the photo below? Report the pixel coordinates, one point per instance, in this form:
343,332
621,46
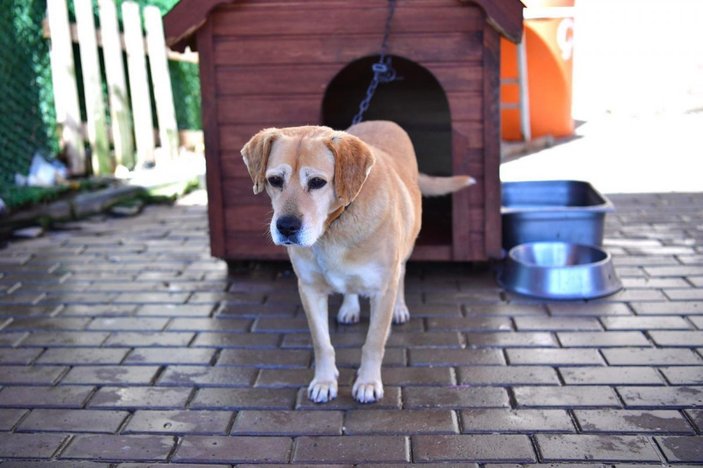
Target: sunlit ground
195,198
638,88
660,153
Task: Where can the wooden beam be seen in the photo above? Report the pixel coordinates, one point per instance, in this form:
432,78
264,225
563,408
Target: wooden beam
213,160
138,84
505,16
491,139
63,74
116,85
102,162
185,18
187,56
161,79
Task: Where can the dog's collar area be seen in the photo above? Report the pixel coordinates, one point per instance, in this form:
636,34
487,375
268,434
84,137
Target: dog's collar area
334,216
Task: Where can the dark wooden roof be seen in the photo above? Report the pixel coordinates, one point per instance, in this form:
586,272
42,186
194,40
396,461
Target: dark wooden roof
187,16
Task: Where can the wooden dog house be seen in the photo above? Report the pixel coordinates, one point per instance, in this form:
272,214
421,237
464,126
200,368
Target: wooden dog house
266,63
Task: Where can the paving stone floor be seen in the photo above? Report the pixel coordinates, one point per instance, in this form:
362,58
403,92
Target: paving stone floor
122,343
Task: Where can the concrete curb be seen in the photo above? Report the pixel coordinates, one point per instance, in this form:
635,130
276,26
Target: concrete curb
76,207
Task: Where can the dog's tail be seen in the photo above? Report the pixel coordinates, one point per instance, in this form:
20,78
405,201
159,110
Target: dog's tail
431,186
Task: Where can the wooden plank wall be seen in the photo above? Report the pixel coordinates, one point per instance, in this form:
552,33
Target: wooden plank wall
268,63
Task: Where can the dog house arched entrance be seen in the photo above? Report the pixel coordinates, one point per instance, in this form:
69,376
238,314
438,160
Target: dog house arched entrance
415,101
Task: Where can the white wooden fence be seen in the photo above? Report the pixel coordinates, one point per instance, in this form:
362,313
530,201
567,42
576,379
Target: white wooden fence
130,110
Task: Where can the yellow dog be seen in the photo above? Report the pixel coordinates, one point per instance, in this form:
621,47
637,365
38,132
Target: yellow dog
348,207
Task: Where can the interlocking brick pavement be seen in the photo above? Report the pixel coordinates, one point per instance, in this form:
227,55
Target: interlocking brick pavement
123,343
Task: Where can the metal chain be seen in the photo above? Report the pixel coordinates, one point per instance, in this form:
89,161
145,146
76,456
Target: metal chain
383,71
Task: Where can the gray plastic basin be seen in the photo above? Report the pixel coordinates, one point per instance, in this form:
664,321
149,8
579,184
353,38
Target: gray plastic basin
553,210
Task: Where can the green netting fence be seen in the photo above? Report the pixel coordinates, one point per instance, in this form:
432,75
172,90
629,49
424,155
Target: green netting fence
27,117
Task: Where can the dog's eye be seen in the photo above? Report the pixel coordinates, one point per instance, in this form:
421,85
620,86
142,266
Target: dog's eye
276,181
316,183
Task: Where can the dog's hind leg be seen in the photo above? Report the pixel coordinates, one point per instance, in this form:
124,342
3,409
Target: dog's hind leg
324,384
401,314
349,311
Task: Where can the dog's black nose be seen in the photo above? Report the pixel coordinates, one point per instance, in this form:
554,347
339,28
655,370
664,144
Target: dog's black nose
288,225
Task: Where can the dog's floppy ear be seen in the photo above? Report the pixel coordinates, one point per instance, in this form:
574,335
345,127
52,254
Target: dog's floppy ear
256,156
352,163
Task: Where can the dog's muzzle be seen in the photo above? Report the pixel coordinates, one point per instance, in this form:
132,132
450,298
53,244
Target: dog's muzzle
288,228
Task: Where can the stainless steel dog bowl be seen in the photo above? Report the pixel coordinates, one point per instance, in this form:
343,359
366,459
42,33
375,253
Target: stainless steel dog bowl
553,210
559,270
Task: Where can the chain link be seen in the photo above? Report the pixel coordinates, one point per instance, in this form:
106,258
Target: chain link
383,71
28,121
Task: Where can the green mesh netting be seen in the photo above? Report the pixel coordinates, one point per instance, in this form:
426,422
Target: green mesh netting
27,117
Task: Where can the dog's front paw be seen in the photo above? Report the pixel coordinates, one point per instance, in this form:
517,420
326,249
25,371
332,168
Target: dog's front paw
349,311
322,391
367,391
401,314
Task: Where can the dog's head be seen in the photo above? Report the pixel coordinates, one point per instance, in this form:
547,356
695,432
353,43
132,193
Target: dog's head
310,173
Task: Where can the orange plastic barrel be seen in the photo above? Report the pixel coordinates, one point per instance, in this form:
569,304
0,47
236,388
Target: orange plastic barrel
549,27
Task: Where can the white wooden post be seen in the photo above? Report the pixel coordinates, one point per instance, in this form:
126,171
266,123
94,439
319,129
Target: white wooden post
117,87
161,81
525,124
138,83
92,90
63,74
